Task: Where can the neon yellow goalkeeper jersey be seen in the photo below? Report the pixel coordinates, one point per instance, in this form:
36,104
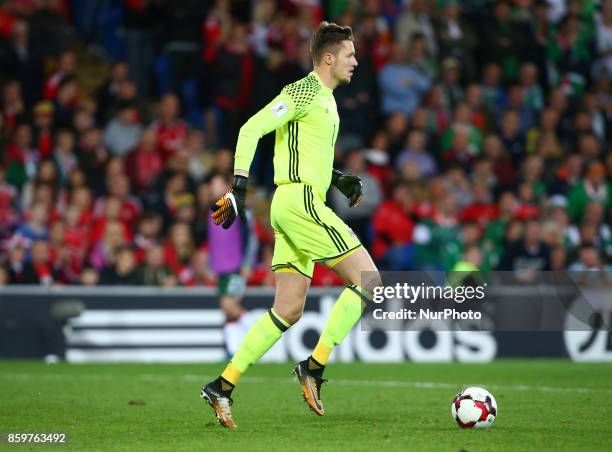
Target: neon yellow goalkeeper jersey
306,121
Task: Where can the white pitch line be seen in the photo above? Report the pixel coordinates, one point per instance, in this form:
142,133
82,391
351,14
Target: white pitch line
341,382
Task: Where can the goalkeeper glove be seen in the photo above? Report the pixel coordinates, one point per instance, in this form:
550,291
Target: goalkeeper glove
349,185
231,205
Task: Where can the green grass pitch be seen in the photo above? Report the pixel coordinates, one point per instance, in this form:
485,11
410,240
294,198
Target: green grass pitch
543,405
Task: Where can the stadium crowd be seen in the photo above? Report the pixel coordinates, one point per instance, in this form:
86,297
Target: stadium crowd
481,130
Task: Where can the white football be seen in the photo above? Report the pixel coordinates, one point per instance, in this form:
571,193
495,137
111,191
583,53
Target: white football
474,408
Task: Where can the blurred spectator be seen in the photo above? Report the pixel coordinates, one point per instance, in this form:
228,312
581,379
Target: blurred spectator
415,19
103,250
153,271
179,250
171,130
233,69
49,30
603,22
392,229
63,155
533,96
462,141
455,37
401,84
16,254
452,251
432,235
66,102
89,277
92,158
13,106
481,115
547,126
481,210
567,176
516,102
20,158
39,270
181,37
471,261
493,93
357,105
198,272
571,51
450,88
20,59
8,212
36,226
358,218
118,188
107,94
144,163
66,67
512,138
415,151
529,254
141,20
47,176
123,131
124,271
593,187
589,259
503,41
495,233
43,123
197,156
148,233
263,15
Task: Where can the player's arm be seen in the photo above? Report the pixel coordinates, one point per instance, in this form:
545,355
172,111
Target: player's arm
277,113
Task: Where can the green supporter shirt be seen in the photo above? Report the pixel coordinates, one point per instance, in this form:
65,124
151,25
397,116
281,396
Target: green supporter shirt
306,121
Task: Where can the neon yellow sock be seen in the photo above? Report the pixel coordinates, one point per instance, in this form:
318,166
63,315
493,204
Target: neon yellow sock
231,374
321,353
343,317
260,338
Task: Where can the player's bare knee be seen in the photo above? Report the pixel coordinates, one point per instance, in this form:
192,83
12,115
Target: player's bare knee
371,280
289,314
293,317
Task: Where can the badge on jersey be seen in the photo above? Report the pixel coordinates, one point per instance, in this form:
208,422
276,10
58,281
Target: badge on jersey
280,109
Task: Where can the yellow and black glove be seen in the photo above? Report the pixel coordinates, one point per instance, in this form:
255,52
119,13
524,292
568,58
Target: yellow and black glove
350,186
231,204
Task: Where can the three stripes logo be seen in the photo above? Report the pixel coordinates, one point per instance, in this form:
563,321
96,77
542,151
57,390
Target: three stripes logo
332,232
294,160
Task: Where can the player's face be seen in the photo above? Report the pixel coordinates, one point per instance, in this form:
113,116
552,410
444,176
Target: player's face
344,63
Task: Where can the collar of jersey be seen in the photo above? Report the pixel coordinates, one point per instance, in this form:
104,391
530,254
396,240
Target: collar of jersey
323,85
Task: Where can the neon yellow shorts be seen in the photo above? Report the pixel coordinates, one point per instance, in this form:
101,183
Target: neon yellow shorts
306,230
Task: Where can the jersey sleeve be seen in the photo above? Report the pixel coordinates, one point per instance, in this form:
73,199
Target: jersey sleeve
292,103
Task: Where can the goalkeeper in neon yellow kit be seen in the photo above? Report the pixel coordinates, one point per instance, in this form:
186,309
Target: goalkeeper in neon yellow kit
306,122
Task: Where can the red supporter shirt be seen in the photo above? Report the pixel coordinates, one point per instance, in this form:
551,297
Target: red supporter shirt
324,276
481,213
170,137
391,226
